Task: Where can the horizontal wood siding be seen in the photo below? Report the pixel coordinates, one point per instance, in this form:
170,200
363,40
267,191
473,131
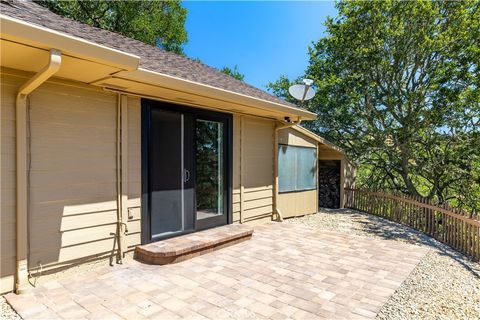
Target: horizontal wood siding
134,172
257,166
9,87
72,194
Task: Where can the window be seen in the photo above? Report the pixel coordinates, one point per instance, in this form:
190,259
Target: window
297,168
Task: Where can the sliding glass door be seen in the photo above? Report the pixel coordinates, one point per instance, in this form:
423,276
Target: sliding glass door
186,170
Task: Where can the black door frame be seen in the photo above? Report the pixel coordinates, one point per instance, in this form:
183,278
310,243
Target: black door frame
227,119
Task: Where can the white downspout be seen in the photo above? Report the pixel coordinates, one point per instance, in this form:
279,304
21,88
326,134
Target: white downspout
21,281
279,126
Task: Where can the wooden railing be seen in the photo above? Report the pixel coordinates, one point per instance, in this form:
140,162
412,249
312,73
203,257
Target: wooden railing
451,226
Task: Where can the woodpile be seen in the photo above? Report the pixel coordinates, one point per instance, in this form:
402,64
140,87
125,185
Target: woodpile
329,184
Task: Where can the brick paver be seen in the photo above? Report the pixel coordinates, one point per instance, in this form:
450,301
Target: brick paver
192,245
285,272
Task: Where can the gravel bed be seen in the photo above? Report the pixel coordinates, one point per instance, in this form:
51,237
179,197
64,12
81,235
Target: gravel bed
6,312
444,285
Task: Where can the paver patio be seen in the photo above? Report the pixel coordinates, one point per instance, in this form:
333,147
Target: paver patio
285,271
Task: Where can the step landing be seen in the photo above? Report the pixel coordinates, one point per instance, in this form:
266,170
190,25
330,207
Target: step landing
191,245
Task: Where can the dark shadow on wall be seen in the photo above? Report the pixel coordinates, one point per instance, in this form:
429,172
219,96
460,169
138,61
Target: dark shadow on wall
62,236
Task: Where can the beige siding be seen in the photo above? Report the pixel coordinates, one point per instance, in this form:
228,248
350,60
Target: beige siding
9,87
294,138
72,175
134,172
257,168
252,169
72,178
292,204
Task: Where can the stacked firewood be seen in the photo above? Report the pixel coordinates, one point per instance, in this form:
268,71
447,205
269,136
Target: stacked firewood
329,185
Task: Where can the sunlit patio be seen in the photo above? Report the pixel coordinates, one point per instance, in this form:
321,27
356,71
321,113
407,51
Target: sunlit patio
284,271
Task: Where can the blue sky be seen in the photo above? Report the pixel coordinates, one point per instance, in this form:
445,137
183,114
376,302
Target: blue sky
265,39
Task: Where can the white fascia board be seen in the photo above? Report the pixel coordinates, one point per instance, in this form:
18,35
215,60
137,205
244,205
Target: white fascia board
167,81
30,34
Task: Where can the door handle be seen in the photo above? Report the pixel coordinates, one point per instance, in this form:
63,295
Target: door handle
186,175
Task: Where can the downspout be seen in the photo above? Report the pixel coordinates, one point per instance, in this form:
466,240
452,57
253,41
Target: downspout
279,126
55,59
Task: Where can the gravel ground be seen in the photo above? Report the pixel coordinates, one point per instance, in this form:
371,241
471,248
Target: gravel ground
6,312
444,285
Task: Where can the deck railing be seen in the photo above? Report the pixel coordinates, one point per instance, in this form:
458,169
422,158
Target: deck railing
453,227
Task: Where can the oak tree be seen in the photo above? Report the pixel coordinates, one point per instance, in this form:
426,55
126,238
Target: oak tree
398,87
158,23
234,72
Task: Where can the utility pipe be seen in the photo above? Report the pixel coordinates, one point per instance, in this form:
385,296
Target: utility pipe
119,233
279,126
122,170
55,59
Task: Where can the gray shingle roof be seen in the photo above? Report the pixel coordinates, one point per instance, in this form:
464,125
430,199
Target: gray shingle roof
152,58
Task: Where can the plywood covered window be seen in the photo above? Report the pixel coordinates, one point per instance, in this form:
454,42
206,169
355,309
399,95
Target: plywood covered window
297,168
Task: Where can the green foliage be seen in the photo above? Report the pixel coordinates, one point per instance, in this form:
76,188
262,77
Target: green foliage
233,72
208,158
398,87
158,23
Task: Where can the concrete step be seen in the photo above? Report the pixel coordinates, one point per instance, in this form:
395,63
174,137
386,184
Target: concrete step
191,245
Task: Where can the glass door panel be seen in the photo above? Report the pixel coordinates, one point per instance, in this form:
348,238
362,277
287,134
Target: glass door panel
210,171
171,186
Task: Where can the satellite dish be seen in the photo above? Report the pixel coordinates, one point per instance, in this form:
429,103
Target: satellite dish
302,92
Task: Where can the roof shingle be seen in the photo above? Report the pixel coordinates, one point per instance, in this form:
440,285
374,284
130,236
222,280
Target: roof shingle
152,58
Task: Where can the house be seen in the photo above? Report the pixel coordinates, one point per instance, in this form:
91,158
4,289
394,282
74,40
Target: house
301,189
108,143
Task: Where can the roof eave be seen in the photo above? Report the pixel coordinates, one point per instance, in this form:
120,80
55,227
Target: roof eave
22,32
19,31
164,80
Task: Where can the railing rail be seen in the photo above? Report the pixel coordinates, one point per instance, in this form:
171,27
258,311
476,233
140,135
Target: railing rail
453,227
